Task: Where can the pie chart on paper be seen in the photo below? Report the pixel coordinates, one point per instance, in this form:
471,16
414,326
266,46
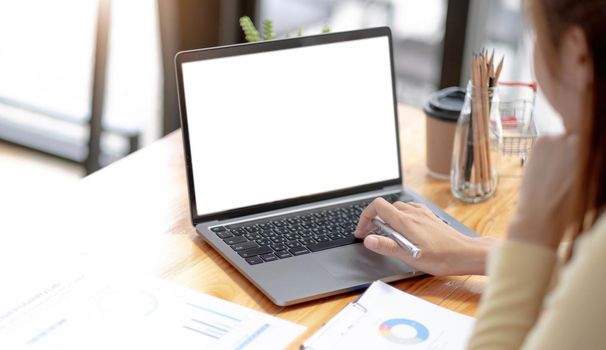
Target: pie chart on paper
403,331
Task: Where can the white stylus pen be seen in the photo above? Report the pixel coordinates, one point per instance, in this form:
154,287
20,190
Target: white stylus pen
412,249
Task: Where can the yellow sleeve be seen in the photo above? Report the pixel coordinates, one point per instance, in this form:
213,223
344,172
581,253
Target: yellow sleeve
512,314
519,276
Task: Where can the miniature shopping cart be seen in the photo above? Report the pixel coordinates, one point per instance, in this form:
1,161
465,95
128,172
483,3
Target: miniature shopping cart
518,127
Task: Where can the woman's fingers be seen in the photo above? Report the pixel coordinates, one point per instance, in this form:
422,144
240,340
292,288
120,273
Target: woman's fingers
412,206
396,215
417,205
403,206
445,251
378,207
388,247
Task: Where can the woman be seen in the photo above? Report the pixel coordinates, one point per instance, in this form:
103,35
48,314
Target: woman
563,193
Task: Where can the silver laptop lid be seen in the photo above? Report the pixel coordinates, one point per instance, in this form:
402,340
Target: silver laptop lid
274,124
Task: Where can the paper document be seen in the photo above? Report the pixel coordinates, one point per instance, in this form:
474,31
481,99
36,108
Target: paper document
85,312
387,318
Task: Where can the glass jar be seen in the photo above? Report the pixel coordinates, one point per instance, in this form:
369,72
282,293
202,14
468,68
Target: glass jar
473,176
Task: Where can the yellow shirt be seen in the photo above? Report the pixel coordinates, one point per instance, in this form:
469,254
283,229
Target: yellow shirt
517,313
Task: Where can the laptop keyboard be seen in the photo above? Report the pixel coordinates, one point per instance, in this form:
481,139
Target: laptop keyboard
266,240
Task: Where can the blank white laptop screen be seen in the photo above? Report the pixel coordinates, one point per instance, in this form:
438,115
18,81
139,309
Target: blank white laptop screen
283,124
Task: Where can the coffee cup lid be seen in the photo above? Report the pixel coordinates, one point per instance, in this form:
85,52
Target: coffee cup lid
445,104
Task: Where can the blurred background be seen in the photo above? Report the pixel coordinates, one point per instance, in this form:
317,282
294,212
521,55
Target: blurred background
84,83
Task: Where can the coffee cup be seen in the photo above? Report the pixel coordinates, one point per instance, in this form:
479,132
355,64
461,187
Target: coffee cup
442,111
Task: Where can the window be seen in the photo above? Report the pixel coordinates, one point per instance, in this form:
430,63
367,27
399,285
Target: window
418,31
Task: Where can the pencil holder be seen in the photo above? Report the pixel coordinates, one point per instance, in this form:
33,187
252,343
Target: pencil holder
473,176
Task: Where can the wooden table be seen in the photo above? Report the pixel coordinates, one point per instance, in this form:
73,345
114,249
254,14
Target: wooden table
135,214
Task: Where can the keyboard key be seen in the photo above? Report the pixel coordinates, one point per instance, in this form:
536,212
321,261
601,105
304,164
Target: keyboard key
321,231
298,251
263,241
322,222
306,233
224,234
307,241
254,260
334,236
310,225
291,236
332,227
332,244
238,231
272,235
253,236
235,240
343,212
278,239
265,226
345,225
350,227
238,225
283,254
293,244
321,238
280,223
218,229
294,220
278,246
255,251
295,228
281,230
307,218
269,257
243,246
253,228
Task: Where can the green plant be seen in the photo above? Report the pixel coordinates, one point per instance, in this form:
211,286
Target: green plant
268,30
252,34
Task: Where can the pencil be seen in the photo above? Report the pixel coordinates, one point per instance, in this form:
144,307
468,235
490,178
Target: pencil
498,72
475,123
476,162
484,127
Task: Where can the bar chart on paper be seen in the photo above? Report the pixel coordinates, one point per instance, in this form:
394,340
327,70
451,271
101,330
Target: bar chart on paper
91,313
214,326
212,323
183,319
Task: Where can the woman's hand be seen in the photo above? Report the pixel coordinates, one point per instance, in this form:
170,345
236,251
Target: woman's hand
444,251
549,192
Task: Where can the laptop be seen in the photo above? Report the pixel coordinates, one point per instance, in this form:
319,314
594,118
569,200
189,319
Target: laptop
285,143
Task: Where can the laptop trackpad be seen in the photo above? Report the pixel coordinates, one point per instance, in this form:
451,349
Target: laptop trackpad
357,264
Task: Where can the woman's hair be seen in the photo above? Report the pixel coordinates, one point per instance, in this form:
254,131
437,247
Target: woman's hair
555,17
